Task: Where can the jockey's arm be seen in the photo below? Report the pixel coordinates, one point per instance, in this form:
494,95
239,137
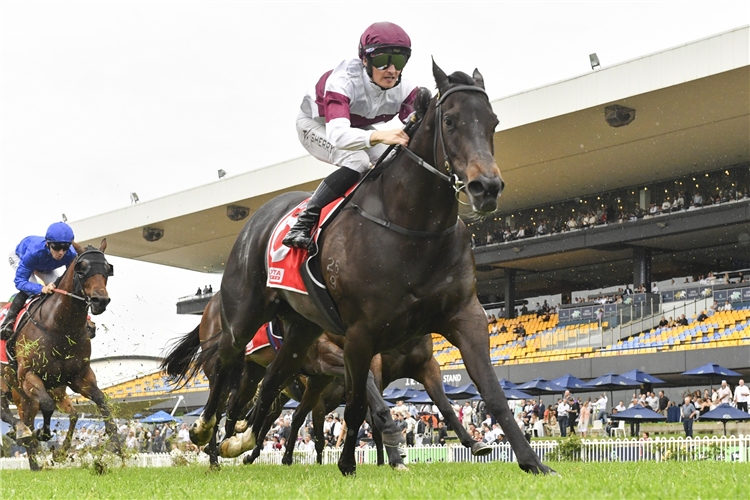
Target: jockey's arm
342,135
23,273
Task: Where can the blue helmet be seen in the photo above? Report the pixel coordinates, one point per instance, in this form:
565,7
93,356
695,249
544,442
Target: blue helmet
59,232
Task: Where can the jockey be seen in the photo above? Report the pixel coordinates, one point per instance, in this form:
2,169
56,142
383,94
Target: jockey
41,257
336,117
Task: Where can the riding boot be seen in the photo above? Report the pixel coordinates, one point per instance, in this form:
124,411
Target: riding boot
6,331
333,187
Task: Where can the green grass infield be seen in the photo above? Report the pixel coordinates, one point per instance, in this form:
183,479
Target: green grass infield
647,480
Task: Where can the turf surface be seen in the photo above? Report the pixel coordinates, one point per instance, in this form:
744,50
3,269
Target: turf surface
457,480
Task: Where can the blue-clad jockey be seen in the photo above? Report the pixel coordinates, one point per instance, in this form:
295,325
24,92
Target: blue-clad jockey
42,258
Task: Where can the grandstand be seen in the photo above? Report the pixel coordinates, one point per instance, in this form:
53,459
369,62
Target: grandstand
560,159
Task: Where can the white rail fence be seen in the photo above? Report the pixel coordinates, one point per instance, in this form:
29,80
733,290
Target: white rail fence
716,448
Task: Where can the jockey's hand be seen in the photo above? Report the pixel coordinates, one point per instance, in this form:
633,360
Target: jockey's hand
47,289
389,137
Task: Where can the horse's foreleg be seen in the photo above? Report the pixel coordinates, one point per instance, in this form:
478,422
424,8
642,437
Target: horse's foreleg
377,438
381,419
315,387
66,406
86,387
319,415
33,387
358,354
467,331
429,375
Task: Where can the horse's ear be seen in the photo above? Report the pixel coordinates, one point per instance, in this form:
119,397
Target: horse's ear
422,102
478,78
441,79
103,245
78,248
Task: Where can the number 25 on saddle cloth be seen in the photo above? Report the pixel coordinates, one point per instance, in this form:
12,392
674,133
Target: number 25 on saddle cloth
284,262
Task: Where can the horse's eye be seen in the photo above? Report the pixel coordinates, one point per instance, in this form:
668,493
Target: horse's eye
448,122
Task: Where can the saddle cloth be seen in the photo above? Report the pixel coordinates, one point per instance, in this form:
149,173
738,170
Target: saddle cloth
3,354
284,262
264,337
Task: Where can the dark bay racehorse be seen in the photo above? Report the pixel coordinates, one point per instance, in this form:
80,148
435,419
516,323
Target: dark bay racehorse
324,362
398,264
53,349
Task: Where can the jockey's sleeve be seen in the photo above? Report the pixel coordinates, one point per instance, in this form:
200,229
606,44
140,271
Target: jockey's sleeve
339,130
23,273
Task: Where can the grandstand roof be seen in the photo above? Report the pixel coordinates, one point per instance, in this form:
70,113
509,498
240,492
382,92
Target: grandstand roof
692,114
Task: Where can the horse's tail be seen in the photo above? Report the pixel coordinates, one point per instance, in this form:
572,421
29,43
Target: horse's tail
180,363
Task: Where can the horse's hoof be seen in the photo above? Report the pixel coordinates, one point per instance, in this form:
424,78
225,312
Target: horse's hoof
480,449
33,465
284,461
22,432
201,431
237,445
399,467
240,426
347,470
43,436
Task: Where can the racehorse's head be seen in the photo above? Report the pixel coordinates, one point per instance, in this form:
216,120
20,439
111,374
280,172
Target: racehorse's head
91,273
466,131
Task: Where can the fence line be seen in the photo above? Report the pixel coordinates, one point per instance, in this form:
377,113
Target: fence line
717,448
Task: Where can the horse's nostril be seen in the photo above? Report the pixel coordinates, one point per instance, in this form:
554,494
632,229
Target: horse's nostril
476,188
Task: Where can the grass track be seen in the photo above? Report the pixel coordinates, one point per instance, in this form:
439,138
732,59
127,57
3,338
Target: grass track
440,481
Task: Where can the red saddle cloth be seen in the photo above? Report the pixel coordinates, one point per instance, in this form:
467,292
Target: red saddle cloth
264,337
284,262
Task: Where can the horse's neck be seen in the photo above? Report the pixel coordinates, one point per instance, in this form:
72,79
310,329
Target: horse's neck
67,313
413,197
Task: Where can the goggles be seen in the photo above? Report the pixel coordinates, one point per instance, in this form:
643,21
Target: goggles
383,61
59,245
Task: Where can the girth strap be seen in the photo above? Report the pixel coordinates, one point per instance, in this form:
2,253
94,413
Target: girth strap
402,230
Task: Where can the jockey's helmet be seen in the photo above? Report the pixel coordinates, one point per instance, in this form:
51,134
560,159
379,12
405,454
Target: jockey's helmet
384,37
59,232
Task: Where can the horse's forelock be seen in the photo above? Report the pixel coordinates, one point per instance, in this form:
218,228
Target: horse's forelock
461,78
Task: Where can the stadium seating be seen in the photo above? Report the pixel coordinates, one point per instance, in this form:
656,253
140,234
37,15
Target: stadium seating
723,329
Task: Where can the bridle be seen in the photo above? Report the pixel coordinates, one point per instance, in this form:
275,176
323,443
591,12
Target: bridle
450,177
97,264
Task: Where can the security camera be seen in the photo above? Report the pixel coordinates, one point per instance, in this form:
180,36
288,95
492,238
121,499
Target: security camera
152,234
237,213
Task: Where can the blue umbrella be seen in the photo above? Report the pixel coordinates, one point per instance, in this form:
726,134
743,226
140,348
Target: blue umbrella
711,370
195,413
464,392
507,384
572,383
291,404
510,394
447,388
642,377
401,395
612,381
160,416
540,386
724,413
422,398
638,414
